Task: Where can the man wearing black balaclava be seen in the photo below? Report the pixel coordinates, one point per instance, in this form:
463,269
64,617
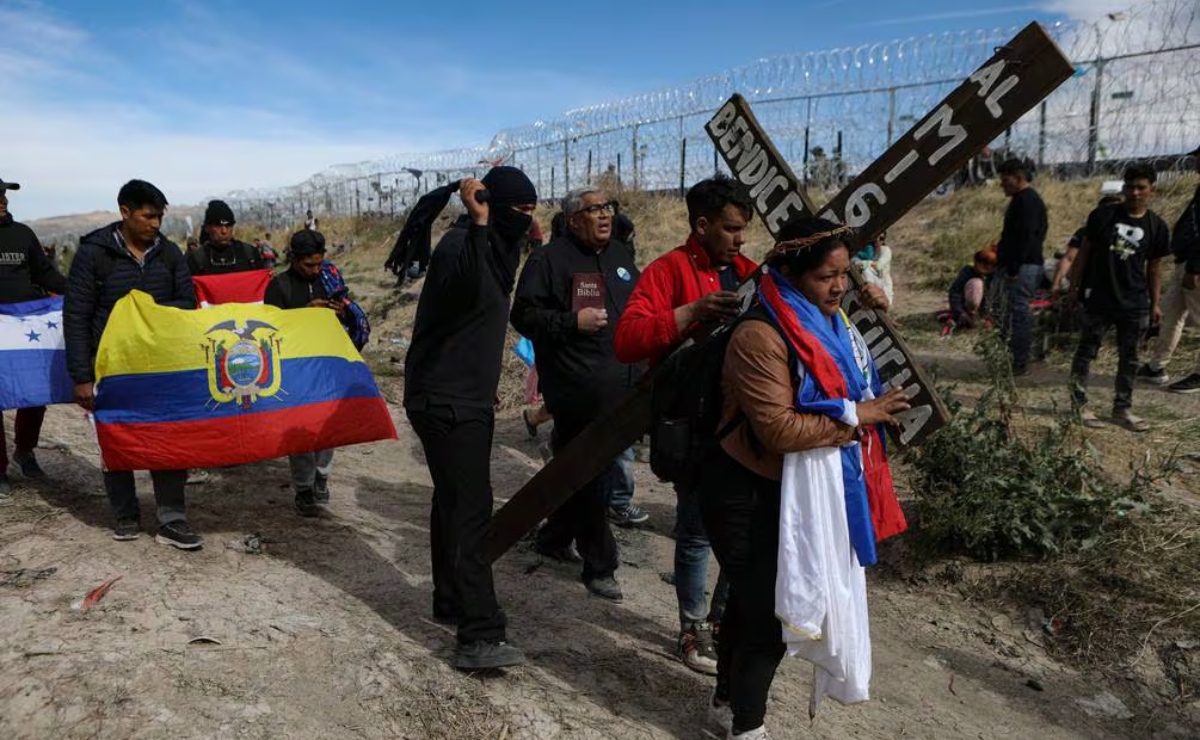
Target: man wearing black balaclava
451,374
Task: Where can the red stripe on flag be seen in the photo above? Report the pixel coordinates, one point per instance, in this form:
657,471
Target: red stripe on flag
244,439
234,287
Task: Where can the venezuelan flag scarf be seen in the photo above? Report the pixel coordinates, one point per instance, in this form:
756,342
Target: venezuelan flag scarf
839,373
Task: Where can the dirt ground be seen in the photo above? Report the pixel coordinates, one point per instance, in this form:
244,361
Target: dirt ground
327,632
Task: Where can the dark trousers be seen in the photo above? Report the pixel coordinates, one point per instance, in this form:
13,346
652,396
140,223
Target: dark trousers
741,514
1018,322
27,430
169,488
458,448
1129,327
583,517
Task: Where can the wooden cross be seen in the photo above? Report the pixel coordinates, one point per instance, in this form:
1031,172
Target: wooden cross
1017,77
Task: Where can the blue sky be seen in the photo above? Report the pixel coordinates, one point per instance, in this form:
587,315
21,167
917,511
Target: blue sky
207,97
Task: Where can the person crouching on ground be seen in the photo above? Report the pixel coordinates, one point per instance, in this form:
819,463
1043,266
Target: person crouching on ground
967,305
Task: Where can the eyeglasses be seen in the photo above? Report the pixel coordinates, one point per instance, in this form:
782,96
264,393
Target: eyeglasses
599,208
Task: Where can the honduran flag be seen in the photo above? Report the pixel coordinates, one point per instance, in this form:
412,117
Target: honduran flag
232,384
33,357
235,287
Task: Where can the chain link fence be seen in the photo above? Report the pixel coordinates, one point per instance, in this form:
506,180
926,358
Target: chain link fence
830,113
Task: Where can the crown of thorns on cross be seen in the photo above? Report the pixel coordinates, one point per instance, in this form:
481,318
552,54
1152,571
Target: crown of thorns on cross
795,245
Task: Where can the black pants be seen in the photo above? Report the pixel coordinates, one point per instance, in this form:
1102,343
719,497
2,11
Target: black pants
1129,327
458,448
741,514
583,517
169,487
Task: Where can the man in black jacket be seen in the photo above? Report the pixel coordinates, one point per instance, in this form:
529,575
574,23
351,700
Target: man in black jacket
1020,256
300,286
451,374
26,274
569,297
127,255
219,253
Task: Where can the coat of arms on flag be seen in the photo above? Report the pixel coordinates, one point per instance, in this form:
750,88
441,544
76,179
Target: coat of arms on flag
244,367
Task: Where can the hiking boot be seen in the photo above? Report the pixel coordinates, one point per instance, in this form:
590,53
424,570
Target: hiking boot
321,490
759,733
1150,375
484,655
566,554
605,588
178,534
1190,384
1090,420
126,529
696,649
720,713
5,489
306,503
29,465
629,515
1128,421
198,477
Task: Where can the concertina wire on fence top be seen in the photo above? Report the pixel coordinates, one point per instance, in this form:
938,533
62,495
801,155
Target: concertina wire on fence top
830,113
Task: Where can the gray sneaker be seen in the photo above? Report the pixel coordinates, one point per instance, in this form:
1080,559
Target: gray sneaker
1147,374
606,588
126,529
629,515
484,655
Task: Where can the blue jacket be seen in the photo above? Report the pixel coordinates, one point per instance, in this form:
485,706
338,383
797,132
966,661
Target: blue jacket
91,294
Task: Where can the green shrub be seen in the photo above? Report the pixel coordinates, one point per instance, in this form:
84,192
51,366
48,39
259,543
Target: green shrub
990,491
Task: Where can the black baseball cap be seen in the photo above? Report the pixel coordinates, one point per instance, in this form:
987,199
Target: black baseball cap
9,185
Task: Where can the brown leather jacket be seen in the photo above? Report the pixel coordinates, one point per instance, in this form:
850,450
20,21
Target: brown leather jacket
757,381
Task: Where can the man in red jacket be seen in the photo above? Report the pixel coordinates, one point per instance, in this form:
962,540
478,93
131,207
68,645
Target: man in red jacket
694,283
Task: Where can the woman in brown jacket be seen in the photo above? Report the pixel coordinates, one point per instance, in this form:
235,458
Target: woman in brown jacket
801,296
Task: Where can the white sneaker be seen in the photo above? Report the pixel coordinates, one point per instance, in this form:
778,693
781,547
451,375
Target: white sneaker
720,713
758,734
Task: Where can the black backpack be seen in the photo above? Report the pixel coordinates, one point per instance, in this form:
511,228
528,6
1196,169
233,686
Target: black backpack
102,266
252,255
686,404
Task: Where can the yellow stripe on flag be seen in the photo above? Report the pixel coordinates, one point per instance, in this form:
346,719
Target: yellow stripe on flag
144,337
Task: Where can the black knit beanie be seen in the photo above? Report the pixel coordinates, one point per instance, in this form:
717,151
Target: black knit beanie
218,213
508,186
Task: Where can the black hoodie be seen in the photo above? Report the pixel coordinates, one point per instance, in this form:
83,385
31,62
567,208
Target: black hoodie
26,273
458,335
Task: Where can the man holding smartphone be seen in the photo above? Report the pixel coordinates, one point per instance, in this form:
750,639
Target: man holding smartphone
693,284
300,286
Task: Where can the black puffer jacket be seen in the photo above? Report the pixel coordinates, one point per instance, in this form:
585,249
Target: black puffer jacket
91,294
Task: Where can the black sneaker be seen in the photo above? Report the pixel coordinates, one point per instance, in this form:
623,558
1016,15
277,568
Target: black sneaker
306,503
178,534
606,588
1150,375
629,515
126,529
483,655
321,489
1190,384
29,465
566,554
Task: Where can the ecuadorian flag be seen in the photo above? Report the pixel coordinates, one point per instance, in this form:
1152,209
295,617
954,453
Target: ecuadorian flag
232,384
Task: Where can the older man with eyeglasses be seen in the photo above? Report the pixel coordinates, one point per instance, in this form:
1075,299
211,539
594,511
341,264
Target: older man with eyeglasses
569,297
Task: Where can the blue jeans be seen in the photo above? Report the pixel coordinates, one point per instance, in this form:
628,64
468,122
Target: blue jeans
1018,319
621,492
691,564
